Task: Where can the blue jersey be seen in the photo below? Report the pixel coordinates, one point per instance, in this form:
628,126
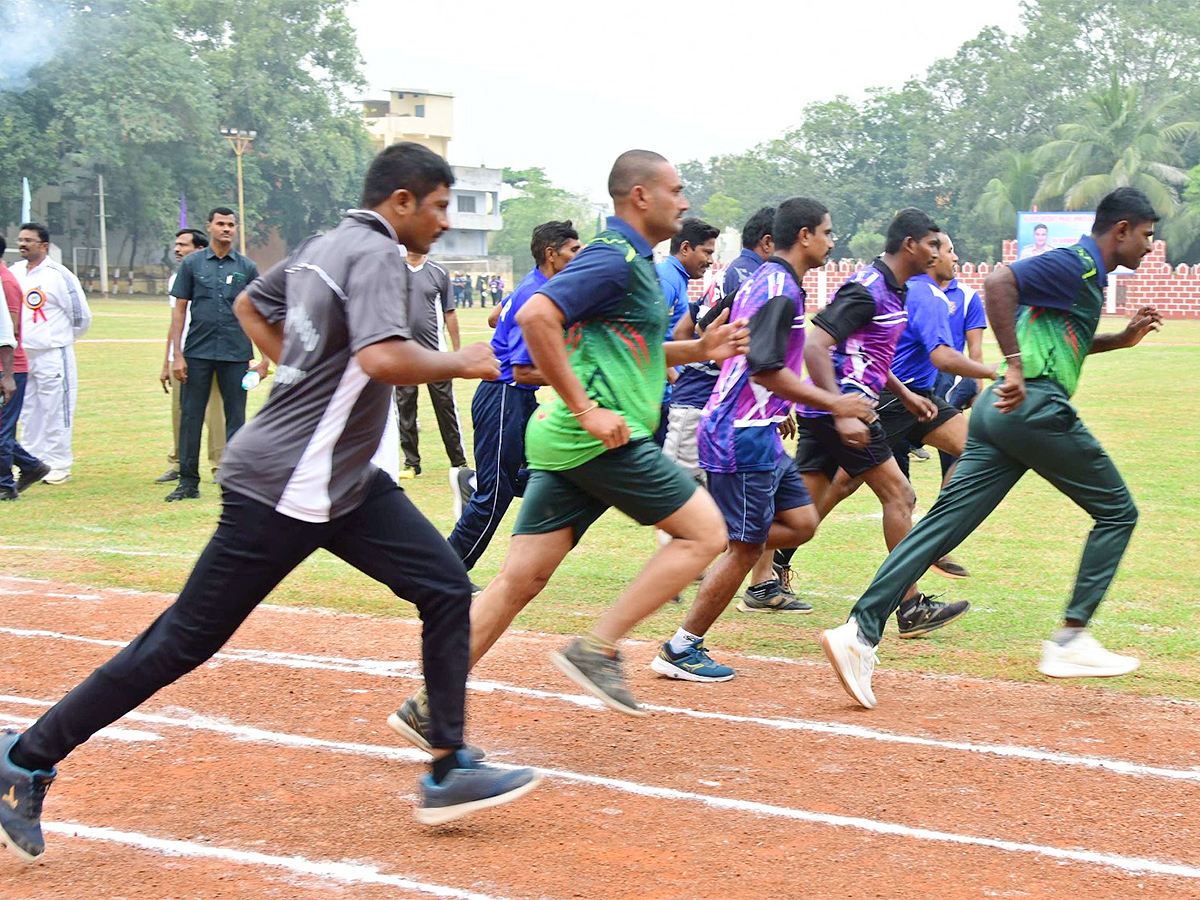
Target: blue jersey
508,343
674,280
928,328
966,312
739,427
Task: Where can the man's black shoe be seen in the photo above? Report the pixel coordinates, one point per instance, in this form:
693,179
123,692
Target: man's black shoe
923,614
7,493
167,477
183,492
32,476
21,796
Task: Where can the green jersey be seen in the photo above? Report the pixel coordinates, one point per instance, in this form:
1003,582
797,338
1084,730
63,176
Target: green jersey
614,343
1062,293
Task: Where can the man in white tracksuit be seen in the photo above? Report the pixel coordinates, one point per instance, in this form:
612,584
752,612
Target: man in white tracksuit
54,314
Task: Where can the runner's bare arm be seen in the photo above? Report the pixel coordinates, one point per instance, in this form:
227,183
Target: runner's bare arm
1000,296
1141,323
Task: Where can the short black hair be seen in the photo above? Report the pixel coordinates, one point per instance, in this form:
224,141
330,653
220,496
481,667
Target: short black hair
405,166
1040,226
633,167
43,232
1125,204
792,216
758,226
220,211
550,235
909,223
199,238
695,232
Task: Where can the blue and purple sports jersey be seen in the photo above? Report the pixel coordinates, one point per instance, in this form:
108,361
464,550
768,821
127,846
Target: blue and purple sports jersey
928,328
866,317
738,429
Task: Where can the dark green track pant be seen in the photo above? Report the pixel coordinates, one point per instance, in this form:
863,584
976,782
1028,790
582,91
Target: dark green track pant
1044,434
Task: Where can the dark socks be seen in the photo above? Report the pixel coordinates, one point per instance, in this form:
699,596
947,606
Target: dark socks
19,759
442,767
783,557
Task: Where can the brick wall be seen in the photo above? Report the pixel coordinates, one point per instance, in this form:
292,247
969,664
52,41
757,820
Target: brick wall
1174,290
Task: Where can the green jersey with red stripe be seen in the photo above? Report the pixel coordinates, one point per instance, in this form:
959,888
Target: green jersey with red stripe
618,359
1054,342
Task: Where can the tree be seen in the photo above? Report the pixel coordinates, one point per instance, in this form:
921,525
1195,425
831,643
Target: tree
538,201
1011,192
866,245
1121,141
721,210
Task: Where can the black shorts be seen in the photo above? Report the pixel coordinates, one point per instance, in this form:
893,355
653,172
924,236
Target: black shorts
819,448
902,425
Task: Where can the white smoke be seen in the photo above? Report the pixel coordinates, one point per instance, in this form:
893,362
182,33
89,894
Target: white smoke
31,33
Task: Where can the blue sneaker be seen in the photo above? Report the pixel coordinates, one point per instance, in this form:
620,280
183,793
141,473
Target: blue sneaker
21,795
693,664
470,787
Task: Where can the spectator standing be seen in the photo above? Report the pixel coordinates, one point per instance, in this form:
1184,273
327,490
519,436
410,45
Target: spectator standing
217,348
496,286
54,315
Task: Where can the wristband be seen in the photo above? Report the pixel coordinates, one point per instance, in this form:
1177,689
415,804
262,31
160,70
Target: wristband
584,412
1012,355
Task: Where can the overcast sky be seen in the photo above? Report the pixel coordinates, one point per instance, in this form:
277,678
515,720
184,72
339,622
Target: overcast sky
568,86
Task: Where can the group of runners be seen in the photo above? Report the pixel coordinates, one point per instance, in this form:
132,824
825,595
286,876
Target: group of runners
593,324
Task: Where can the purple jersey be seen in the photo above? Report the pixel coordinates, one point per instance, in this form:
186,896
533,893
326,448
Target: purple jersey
866,317
739,427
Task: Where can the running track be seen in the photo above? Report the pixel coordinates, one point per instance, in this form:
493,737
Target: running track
270,773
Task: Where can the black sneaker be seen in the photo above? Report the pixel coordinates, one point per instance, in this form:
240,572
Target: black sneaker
9,493
167,477
183,492
598,674
767,597
923,614
950,569
411,721
469,787
783,575
461,488
32,476
21,796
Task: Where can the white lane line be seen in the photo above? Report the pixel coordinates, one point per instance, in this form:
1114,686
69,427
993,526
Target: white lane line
410,669
116,734
348,873
1126,863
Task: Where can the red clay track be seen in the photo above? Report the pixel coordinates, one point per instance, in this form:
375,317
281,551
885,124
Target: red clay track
770,786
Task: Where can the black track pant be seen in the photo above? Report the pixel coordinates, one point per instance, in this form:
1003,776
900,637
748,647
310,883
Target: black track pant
253,549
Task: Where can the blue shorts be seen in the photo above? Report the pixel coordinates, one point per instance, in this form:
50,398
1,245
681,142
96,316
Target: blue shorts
749,501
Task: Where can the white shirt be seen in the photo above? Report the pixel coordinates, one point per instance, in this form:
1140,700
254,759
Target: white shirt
55,312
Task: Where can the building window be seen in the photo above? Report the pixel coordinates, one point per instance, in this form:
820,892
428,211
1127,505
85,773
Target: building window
420,110
466,204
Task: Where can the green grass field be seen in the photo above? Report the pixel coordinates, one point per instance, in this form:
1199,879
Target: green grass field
110,526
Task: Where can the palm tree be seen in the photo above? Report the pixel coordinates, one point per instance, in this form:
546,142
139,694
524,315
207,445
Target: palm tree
1119,142
1009,193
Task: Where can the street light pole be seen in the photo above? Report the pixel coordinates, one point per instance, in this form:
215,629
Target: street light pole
240,141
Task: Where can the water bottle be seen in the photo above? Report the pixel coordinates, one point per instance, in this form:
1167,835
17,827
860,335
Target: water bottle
250,380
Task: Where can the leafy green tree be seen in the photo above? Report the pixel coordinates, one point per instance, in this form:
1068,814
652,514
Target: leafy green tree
866,245
722,210
537,201
1010,192
1120,141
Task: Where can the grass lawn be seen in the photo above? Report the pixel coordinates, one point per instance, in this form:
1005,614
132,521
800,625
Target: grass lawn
110,526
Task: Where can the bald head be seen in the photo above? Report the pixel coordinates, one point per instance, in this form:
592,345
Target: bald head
634,167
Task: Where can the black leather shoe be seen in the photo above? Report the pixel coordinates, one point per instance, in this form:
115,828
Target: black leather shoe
7,493
167,476
923,614
183,492
32,476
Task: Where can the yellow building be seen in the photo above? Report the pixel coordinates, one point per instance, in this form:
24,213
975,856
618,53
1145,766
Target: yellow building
424,117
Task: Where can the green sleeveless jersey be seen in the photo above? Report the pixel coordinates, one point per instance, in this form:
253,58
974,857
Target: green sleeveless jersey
1055,342
619,361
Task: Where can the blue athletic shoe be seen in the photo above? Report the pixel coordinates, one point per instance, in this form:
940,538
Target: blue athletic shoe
470,787
693,664
21,795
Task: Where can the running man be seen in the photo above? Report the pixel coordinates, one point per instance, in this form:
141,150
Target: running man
296,478
851,351
1044,312
592,447
501,409
753,481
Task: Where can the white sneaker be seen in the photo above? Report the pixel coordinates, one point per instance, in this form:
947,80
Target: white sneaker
853,661
462,486
57,476
1083,657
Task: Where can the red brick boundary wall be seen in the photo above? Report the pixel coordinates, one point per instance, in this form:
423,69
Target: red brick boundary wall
1174,290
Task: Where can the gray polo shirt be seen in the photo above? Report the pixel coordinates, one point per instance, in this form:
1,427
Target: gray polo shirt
308,451
429,299
211,283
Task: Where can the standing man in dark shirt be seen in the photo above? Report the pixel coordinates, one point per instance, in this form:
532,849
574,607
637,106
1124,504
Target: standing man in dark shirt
216,348
431,316
299,478
1044,311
